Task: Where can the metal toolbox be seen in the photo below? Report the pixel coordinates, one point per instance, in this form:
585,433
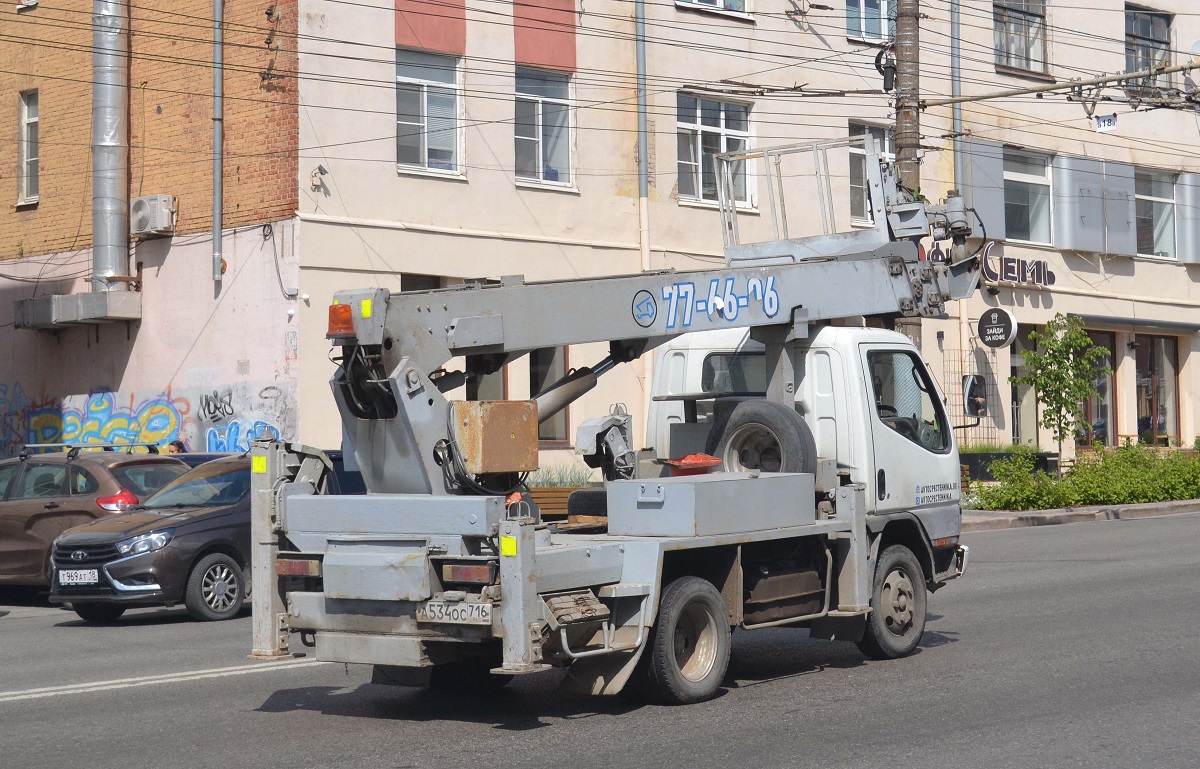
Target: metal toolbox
722,503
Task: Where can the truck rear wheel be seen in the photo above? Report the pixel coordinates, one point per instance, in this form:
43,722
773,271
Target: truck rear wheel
763,435
687,653
898,599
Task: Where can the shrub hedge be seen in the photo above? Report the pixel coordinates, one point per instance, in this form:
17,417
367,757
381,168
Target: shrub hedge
1126,475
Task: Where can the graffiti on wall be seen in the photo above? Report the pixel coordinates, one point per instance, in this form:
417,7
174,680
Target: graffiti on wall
222,419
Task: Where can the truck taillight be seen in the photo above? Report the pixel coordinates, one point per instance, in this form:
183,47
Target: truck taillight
944,542
341,321
119,502
473,574
297,567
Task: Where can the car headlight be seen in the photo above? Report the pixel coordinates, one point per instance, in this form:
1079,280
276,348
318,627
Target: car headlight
144,543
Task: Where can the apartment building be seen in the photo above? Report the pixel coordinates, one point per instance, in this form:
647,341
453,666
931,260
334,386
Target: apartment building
413,145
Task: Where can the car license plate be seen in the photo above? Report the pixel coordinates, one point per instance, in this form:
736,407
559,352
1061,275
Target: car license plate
78,576
456,613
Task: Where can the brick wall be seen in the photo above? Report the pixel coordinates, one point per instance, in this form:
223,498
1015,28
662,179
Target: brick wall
170,116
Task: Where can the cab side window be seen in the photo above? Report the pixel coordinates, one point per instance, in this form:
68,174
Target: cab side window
42,481
905,401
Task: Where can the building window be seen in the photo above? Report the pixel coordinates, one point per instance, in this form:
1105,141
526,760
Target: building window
546,366
1020,34
1155,194
870,20
860,193
427,125
1147,44
706,129
737,6
1156,371
543,126
1097,422
1027,197
27,171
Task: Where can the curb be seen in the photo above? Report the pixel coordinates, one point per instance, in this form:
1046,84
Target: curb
991,520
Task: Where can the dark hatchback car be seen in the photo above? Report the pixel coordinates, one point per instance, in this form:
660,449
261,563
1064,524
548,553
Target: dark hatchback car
42,495
189,544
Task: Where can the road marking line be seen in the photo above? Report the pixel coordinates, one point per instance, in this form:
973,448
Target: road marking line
167,678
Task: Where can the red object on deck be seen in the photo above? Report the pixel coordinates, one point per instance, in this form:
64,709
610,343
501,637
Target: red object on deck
692,464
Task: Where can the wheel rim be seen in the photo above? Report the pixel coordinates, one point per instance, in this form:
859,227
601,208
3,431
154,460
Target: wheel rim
219,587
695,642
753,447
897,599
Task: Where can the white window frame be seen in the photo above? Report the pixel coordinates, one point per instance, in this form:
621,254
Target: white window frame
730,7
425,85
1010,17
1045,180
858,155
1138,197
540,101
857,9
28,126
697,130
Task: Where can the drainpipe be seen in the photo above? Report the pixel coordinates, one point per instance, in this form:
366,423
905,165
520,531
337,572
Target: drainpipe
639,11
643,137
218,173
110,144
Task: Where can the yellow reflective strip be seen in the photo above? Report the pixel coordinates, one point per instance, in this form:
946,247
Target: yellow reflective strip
366,308
508,546
258,465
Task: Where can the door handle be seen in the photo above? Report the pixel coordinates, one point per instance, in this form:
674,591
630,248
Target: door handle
881,485
52,505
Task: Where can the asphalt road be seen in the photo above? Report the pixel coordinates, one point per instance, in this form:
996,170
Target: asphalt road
1065,646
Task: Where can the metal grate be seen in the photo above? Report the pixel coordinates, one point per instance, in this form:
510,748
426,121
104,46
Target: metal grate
956,365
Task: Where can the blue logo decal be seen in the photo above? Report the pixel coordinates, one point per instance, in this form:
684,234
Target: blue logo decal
645,309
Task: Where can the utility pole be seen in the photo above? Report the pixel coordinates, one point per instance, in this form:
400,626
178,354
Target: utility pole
908,93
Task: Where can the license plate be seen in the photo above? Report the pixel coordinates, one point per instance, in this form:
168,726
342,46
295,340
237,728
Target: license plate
78,576
457,613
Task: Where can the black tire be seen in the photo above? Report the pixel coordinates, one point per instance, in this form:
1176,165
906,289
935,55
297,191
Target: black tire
588,502
216,588
763,435
471,675
687,654
898,601
98,612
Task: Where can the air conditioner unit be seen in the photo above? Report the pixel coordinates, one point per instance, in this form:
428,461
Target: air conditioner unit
152,215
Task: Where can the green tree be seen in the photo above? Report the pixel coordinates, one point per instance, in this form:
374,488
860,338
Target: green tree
1062,369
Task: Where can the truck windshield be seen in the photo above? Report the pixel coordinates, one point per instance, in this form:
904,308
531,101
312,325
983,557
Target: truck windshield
210,485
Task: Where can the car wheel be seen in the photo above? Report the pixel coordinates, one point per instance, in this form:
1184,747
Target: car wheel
215,588
898,600
98,612
687,654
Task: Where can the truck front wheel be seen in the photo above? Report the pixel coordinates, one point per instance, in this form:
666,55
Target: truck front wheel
897,619
688,651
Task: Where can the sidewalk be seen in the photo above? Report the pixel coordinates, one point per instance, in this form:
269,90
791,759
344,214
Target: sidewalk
987,520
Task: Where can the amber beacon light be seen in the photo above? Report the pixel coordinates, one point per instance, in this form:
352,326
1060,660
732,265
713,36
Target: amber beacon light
341,321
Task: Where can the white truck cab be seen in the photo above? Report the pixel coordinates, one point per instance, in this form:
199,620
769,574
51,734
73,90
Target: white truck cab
865,394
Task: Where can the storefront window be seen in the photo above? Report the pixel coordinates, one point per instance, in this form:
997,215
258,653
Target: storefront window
1157,395
1097,423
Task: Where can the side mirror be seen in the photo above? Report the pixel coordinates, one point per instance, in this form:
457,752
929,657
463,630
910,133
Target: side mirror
974,389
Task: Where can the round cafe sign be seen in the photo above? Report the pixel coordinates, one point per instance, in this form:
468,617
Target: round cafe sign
997,327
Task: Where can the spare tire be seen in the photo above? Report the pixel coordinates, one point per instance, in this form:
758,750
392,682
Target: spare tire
588,502
763,435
